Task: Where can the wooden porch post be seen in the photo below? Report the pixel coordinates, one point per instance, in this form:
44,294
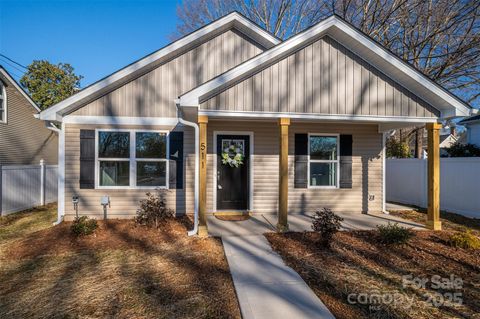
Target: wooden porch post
433,215
202,205
283,183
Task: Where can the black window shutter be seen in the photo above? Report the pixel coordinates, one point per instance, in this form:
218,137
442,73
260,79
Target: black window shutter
176,160
301,161
346,143
87,159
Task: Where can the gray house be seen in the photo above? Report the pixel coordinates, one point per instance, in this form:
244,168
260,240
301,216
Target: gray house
23,139
231,119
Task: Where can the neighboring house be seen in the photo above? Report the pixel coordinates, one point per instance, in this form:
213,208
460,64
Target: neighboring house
307,115
472,124
23,138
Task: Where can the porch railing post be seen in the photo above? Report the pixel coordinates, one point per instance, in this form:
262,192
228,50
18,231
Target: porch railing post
433,214
282,225
202,203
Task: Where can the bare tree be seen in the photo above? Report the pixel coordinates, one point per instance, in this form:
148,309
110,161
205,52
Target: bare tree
441,38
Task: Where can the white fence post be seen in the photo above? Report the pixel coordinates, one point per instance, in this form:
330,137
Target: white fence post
42,182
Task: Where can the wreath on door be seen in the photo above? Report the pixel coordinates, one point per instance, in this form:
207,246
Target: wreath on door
232,155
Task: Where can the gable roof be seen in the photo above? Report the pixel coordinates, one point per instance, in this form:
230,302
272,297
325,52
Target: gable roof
448,104
9,78
145,64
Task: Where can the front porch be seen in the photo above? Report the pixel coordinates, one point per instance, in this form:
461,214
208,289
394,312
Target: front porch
272,191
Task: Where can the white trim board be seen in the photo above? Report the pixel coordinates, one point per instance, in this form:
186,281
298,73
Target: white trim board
354,40
250,166
232,20
309,116
120,120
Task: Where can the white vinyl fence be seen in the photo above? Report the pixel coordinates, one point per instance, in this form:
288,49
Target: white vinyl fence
27,186
406,183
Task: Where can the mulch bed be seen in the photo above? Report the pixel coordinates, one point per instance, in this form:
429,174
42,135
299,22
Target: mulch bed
122,271
358,264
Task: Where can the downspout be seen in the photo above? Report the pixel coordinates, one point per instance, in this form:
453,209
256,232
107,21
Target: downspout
61,175
194,231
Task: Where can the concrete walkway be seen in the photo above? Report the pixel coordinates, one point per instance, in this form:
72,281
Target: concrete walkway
265,286
260,224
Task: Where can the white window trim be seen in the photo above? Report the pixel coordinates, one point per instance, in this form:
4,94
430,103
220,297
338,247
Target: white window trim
324,161
3,96
132,160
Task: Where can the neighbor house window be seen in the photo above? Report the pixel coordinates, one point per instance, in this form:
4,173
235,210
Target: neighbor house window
132,159
3,104
323,160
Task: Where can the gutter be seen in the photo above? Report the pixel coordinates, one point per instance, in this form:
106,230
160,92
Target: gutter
194,231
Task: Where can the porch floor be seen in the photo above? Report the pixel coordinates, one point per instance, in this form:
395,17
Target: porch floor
264,223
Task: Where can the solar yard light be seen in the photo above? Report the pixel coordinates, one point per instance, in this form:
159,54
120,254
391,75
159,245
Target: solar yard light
105,201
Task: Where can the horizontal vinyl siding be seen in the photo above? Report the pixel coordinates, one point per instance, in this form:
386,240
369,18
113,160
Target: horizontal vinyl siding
367,168
367,172
124,202
24,139
322,78
153,94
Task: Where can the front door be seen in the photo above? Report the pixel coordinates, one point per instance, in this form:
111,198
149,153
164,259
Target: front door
232,172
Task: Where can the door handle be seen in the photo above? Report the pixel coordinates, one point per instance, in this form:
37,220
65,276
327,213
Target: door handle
219,186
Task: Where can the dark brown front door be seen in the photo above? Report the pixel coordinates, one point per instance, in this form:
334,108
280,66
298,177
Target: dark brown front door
232,182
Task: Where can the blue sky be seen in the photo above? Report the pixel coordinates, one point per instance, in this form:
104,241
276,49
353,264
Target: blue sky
95,37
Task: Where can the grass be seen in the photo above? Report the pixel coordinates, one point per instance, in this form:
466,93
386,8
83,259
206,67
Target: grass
122,271
358,265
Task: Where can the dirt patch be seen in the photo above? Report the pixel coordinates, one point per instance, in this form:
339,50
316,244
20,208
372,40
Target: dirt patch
233,218
122,271
359,266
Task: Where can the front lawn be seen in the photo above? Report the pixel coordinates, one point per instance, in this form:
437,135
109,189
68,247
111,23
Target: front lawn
122,271
361,278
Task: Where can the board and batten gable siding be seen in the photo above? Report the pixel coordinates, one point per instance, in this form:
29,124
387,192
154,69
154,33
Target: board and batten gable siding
366,167
124,202
24,140
321,78
153,94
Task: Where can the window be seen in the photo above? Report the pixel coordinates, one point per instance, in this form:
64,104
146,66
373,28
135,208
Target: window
129,159
323,160
3,104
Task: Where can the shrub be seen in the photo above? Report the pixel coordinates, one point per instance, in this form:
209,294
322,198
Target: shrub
153,210
465,240
83,225
393,234
327,223
397,149
461,150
